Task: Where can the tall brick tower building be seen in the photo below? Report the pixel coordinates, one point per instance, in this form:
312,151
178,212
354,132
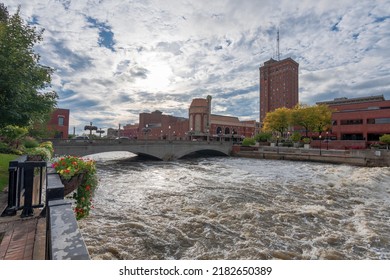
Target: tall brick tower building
278,85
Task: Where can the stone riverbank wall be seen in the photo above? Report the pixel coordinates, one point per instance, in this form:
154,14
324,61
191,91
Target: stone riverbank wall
367,157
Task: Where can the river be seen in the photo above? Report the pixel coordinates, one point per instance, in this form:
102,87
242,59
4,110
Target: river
238,208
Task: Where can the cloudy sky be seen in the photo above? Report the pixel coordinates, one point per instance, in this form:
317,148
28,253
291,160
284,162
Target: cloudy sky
117,58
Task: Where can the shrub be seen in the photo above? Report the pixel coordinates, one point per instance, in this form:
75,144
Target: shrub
248,142
13,133
30,142
306,140
263,136
296,136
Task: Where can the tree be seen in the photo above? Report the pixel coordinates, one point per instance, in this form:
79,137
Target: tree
23,81
385,139
278,120
323,117
304,116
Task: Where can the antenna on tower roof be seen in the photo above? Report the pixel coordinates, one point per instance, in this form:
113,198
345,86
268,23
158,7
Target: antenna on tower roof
277,46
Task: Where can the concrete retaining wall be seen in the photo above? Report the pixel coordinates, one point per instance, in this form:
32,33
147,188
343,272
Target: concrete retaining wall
369,158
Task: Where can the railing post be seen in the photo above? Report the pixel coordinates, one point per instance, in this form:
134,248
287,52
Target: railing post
28,190
12,189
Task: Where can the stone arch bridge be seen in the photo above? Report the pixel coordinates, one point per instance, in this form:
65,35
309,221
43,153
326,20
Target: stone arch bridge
163,150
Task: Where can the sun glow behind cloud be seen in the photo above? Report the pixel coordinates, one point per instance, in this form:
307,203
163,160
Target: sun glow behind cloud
116,59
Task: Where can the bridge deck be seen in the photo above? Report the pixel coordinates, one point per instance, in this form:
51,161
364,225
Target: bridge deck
164,150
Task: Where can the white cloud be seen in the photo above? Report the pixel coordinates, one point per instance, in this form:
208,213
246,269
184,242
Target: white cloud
161,54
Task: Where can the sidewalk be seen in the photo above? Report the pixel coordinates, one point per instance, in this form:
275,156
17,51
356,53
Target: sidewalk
21,239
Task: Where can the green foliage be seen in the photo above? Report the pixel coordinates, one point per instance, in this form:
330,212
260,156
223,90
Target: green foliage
30,142
296,136
4,164
13,133
248,142
385,139
312,118
5,149
23,80
278,120
306,140
263,136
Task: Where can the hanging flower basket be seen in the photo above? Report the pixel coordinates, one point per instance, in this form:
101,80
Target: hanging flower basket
78,175
73,183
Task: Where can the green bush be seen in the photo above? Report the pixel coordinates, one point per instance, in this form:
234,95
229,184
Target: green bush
30,142
248,142
6,149
13,133
296,136
263,136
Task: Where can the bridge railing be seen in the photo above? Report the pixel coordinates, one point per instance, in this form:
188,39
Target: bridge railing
25,186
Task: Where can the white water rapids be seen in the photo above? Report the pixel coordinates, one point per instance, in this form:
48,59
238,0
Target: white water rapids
237,208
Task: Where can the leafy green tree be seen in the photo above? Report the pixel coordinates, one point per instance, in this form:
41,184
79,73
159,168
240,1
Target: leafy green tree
385,139
23,80
278,120
304,116
323,117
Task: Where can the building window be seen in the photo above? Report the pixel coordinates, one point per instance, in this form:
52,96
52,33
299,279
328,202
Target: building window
334,122
351,122
378,121
61,120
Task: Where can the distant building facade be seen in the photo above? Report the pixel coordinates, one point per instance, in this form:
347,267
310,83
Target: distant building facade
58,125
156,125
278,85
364,118
203,124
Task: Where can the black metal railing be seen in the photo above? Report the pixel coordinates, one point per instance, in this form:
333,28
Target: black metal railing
25,186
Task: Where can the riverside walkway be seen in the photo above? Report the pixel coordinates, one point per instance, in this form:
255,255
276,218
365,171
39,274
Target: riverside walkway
22,238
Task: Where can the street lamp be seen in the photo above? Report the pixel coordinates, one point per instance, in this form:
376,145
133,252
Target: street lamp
277,143
90,127
169,133
320,144
100,131
327,140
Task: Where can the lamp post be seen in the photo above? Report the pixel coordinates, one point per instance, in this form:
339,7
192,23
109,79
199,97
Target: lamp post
90,127
100,131
277,143
169,133
327,140
320,144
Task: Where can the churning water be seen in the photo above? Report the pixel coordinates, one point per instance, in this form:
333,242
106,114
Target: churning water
237,208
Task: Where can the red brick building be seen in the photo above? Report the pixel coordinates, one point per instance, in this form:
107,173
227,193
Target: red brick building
58,125
365,118
278,85
155,125
203,124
